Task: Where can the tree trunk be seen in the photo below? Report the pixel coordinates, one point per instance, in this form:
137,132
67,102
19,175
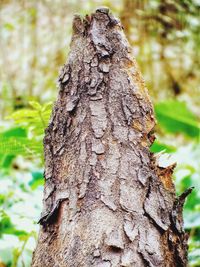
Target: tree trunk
106,202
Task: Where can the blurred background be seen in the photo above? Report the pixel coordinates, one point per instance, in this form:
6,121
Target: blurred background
34,43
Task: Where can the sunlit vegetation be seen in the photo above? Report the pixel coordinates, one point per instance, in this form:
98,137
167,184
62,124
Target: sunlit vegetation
34,41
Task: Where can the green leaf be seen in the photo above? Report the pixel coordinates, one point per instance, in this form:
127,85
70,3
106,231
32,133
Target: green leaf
158,147
20,146
175,117
35,120
17,131
7,227
37,180
23,114
35,105
6,161
8,145
47,107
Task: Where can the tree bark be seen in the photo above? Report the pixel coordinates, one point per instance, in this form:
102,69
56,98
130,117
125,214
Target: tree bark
106,202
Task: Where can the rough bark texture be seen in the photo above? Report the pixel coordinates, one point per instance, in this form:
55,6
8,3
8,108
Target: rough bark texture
106,202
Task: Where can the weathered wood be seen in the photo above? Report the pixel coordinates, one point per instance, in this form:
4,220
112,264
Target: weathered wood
106,202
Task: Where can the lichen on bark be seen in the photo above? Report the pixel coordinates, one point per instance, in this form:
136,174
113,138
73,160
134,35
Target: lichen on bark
106,202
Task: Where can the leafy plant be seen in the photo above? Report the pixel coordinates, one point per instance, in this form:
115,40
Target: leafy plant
174,117
25,138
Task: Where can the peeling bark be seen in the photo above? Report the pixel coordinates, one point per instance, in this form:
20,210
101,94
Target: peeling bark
106,202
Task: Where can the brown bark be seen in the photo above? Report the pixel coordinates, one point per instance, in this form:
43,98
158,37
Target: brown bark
106,202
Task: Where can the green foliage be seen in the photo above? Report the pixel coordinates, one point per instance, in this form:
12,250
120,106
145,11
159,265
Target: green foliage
21,142
158,147
37,180
174,117
35,119
194,253
26,138
7,227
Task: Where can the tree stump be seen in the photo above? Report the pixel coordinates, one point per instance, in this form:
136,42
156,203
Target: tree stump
106,202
